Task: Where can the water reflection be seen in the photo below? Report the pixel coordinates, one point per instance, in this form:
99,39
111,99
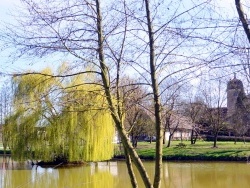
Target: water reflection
114,175
209,175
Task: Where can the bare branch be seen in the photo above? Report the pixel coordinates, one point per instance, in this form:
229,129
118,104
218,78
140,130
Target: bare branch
243,18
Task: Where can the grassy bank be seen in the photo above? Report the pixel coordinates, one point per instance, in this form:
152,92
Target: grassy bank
202,151
226,151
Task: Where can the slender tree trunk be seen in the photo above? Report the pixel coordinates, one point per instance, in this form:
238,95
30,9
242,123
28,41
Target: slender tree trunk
192,136
243,18
169,140
118,122
135,142
195,138
130,169
164,137
134,156
215,140
157,108
235,139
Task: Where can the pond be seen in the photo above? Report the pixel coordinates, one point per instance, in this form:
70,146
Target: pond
114,175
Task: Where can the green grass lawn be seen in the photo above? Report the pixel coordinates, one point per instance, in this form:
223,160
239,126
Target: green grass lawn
202,150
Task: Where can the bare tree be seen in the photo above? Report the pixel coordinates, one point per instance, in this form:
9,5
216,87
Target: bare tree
215,114
167,113
116,38
195,111
215,122
171,124
137,121
239,123
156,97
139,124
76,29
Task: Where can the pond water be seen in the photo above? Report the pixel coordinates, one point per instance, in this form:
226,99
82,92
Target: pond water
114,175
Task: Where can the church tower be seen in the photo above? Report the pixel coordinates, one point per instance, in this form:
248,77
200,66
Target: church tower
235,94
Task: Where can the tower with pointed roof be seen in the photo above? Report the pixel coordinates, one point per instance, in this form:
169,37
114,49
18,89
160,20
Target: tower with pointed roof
235,95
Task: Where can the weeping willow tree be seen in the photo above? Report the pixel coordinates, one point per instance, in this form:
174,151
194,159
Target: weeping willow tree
59,120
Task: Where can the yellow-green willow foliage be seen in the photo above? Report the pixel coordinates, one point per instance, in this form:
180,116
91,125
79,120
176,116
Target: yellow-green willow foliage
89,126
54,121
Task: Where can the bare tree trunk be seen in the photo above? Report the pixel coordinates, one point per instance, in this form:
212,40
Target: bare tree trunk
194,136
134,156
150,139
195,139
134,141
243,18
215,140
130,169
164,137
118,122
157,108
169,140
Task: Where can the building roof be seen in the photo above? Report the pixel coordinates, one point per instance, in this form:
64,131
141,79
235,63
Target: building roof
183,121
235,84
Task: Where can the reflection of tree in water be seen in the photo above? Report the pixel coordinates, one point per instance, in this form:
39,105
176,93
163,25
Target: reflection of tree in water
176,175
220,174
114,175
205,174
88,176
9,171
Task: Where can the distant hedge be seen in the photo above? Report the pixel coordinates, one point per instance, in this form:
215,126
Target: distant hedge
226,138
8,152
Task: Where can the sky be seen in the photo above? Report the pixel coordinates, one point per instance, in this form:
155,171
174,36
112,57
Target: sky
226,7
7,6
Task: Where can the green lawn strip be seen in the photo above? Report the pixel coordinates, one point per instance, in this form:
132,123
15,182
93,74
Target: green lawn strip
226,151
202,150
